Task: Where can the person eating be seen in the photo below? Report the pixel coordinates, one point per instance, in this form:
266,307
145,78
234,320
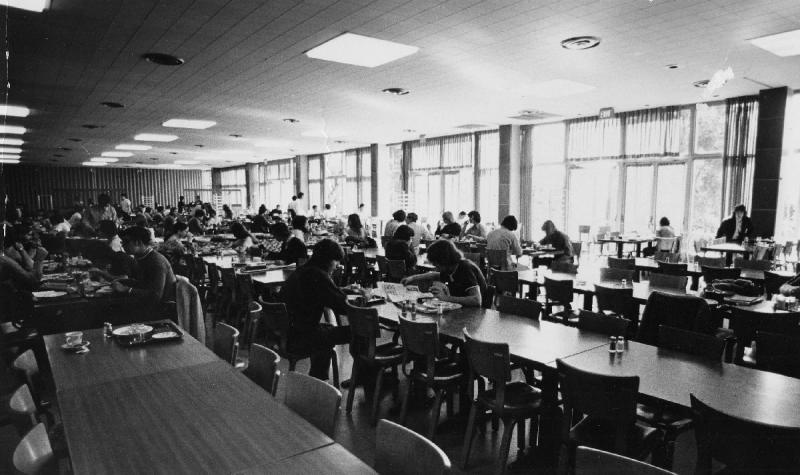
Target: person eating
455,279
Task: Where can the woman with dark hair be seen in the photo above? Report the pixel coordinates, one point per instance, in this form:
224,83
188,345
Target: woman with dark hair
448,228
455,279
306,293
174,242
475,229
503,238
664,229
244,239
737,227
300,227
121,264
260,222
153,280
290,248
227,212
196,225
22,245
399,248
355,233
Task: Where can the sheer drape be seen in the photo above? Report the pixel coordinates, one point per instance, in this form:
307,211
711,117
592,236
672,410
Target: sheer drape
741,119
653,132
526,183
488,162
593,138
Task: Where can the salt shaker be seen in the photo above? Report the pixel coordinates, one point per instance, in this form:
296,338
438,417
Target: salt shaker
620,344
612,345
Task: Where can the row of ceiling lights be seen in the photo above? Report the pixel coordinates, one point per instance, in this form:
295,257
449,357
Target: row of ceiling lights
10,143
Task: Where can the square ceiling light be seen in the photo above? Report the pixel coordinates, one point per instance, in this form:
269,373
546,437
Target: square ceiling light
556,88
349,48
133,146
12,129
189,124
94,164
9,161
117,154
104,159
155,138
781,44
7,156
10,150
30,5
5,141
13,111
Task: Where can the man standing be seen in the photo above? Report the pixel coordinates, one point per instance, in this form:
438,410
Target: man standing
125,205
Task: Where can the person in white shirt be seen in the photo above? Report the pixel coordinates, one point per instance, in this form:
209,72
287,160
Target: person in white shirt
398,218
420,232
292,208
300,207
125,204
329,212
504,238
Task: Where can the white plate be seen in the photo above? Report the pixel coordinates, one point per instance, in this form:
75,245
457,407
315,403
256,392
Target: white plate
48,294
129,330
164,335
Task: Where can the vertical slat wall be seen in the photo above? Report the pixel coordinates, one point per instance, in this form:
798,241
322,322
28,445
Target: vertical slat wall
24,183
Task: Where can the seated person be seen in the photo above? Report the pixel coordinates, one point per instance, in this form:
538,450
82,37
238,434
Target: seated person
291,248
456,279
474,228
399,248
196,225
121,264
664,229
300,227
153,280
355,232
244,240
559,241
398,218
737,227
178,243
260,221
448,228
19,277
22,244
792,287
306,293
503,238
420,232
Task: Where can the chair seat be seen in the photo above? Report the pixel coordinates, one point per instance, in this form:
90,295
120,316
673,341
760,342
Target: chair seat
388,354
446,372
521,398
671,418
600,435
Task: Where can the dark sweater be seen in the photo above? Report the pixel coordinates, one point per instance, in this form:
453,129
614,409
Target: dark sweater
397,250
452,230
306,293
154,280
728,227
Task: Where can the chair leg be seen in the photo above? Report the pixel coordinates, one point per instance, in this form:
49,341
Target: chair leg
376,398
352,391
292,365
335,368
469,435
406,397
521,435
450,402
505,444
437,408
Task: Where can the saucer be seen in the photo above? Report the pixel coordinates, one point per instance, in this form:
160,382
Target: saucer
84,345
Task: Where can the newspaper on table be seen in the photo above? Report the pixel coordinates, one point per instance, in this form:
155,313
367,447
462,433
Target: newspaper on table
399,292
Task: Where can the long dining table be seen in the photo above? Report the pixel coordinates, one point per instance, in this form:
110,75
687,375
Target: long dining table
174,407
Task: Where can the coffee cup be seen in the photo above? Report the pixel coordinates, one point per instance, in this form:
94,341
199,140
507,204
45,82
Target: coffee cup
74,338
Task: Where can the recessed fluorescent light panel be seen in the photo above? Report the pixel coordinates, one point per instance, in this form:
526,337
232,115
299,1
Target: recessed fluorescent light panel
349,48
12,129
30,5
9,141
189,124
133,146
117,154
103,159
8,156
9,161
557,88
94,164
155,138
10,150
13,111
781,44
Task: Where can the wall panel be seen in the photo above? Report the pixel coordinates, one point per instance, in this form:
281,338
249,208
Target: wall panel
25,183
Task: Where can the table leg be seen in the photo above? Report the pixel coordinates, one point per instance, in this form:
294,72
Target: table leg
728,259
550,422
619,249
588,297
638,249
695,281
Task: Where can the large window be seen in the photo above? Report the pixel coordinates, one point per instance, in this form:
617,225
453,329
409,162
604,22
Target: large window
548,176
315,182
234,186
347,180
442,176
276,183
787,224
488,175
706,197
593,195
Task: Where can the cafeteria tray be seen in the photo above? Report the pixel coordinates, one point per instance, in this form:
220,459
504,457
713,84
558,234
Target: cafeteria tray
151,337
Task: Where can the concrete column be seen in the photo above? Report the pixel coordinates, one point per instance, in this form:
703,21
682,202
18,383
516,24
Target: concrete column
301,174
767,167
509,197
375,151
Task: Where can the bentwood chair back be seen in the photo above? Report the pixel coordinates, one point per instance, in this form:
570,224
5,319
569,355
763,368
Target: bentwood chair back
745,323
622,263
262,367
577,248
476,258
602,323
251,323
34,454
672,268
744,446
497,258
383,267
667,281
687,341
755,264
710,274
773,282
612,274
589,461
565,267
396,270
664,256
226,342
710,261
778,353
23,409
314,400
558,292
523,307
395,444
505,282
617,300
25,364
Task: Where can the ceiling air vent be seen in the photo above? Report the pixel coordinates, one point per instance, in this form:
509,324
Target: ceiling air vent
534,115
473,126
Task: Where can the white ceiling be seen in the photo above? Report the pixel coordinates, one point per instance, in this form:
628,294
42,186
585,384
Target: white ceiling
245,68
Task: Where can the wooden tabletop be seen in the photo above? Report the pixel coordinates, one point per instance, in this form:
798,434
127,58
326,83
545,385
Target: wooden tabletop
671,376
535,341
272,277
726,247
332,460
628,240
108,361
206,418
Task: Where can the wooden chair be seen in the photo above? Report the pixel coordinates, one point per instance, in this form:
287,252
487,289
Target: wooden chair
584,229
314,400
367,354
228,293
755,264
23,410
252,321
443,375
602,323
589,461
383,267
743,446
608,404
672,268
773,282
34,454
276,325
504,282
565,267
710,261
523,307
667,281
226,342
558,293
396,270
694,343
577,248
262,367
395,443
622,263
497,258
611,274
710,274
745,323
617,301
778,353
214,292
512,402
25,365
